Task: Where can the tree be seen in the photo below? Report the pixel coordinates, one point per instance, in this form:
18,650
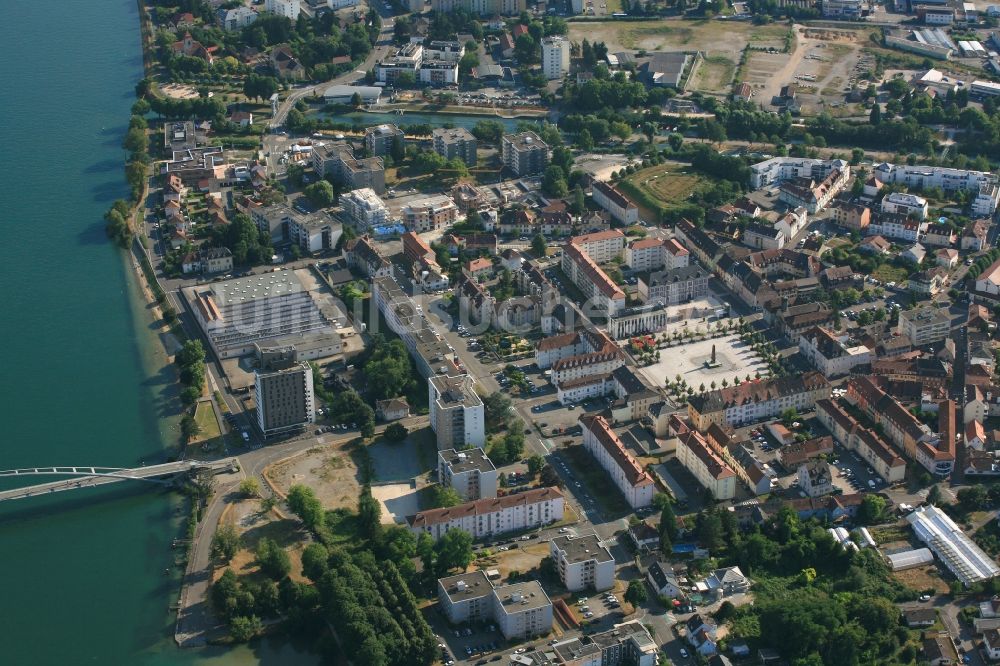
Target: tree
636,592
668,521
538,245
934,495
710,531
453,551
445,496
242,628
314,561
356,100
189,428
249,487
585,140
549,476
875,117
579,203
369,513
272,559
535,464
304,504
396,432
225,542
554,182
320,194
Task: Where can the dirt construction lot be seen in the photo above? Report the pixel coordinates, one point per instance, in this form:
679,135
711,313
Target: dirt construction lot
328,469
821,64
711,37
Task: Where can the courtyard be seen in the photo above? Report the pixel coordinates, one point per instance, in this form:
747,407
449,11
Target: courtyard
693,362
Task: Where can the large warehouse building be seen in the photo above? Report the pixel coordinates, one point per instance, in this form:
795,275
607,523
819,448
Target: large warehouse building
288,307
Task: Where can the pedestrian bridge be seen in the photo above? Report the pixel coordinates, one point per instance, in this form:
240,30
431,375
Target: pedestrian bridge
89,477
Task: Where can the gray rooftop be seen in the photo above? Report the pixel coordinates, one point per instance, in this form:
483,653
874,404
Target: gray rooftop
466,586
467,460
524,596
583,548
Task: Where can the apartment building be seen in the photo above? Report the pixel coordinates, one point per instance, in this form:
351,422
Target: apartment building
815,478
481,7
851,216
555,57
430,213
456,412
924,325
470,472
287,8
430,353
404,62
424,268
456,142
635,483
364,209
674,285
486,518
935,451
337,159
611,199
843,9
362,255
524,154
879,455
520,610
778,169
903,203
833,355
757,400
583,563
918,176
649,254
580,261
814,194
283,391
706,465
380,139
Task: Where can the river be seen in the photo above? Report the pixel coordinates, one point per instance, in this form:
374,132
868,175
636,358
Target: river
85,573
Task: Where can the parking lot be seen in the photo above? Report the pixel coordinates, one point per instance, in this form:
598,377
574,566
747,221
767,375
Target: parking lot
849,471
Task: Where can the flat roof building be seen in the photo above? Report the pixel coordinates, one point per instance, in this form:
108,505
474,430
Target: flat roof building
583,563
470,472
456,412
288,307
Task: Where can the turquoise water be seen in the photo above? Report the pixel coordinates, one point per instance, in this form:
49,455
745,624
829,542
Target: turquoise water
84,379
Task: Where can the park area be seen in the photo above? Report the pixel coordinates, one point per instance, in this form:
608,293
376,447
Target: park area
661,187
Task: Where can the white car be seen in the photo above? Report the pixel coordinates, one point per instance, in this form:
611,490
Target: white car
684,653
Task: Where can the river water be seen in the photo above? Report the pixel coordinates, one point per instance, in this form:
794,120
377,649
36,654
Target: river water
84,573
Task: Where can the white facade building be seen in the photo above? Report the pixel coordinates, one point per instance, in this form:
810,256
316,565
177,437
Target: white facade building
488,517
632,480
583,563
555,57
287,8
364,209
905,204
456,412
470,472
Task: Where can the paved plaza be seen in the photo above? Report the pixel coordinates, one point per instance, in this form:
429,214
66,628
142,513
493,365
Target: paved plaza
692,362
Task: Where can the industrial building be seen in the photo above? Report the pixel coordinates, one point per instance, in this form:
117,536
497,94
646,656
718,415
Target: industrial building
951,545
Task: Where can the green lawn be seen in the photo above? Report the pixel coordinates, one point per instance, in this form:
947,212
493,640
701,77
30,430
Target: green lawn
889,273
204,415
